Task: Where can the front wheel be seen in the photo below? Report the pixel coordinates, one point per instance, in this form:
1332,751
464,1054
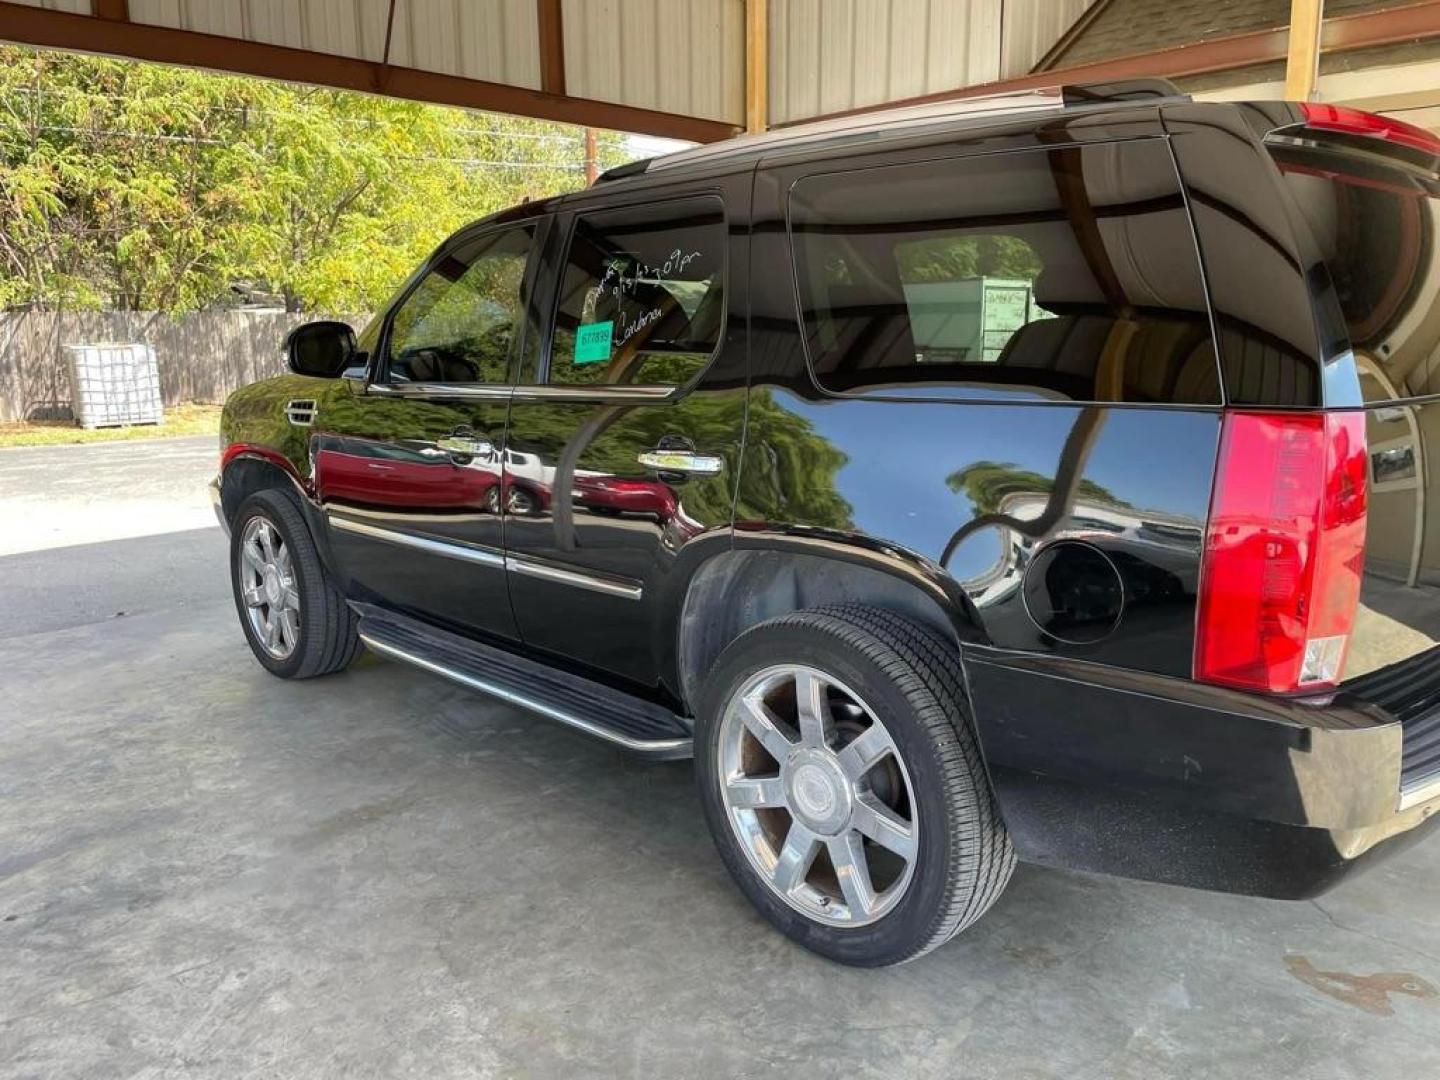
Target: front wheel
296,621
843,786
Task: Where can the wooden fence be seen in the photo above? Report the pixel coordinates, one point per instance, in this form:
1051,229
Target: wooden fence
202,356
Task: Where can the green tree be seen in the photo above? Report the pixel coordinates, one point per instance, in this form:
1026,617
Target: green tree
120,184
954,258
139,186
986,483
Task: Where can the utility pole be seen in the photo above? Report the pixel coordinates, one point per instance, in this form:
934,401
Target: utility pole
592,166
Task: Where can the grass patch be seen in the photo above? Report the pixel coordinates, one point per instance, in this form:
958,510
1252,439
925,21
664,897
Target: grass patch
191,419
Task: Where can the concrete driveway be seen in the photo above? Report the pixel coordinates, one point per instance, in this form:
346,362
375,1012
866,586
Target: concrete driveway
205,871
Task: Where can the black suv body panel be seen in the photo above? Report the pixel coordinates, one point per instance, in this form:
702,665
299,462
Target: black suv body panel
1036,485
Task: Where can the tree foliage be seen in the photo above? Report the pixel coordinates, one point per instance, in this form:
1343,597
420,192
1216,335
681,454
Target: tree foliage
987,483
137,186
957,257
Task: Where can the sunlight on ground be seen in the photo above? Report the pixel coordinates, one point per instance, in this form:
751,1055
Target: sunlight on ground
190,419
61,496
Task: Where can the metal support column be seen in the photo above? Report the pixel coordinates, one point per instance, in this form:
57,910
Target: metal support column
1302,64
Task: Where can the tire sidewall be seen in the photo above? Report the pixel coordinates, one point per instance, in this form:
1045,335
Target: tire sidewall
912,923
262,504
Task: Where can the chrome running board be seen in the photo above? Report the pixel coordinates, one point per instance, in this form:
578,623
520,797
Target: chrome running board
632,723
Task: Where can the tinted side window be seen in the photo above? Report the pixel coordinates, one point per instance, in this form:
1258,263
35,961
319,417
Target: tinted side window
1065,274
458,324
641,295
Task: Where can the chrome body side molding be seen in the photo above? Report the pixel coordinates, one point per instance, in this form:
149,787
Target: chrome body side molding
466,391
597,392
490,557
450,550
571,577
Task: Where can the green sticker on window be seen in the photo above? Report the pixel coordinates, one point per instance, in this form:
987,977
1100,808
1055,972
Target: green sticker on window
592,342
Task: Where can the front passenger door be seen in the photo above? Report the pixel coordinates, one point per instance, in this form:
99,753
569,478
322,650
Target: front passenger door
409,470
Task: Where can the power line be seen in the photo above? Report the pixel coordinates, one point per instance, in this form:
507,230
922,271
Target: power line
188,139
254,110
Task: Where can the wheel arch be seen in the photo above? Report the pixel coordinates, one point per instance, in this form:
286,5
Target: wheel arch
735,589
244,470
243,475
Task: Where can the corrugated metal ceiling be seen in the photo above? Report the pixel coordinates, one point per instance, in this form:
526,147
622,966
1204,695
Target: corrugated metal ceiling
831,55
680,57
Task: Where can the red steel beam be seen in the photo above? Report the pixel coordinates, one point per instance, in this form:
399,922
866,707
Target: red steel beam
552,46
1413,22
47,29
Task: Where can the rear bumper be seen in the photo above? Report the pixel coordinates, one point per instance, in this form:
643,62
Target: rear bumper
1169,780
1409,691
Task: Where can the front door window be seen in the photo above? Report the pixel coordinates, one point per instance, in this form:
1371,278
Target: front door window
461,322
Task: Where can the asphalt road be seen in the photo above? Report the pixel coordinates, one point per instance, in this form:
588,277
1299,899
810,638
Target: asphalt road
106,530
208,872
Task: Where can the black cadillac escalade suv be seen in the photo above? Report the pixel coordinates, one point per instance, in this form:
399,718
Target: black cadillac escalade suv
1038,478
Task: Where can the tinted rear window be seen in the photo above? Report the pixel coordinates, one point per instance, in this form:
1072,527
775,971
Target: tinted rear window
1066,274
1375,228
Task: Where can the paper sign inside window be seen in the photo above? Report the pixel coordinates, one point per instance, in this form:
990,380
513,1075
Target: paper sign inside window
592,342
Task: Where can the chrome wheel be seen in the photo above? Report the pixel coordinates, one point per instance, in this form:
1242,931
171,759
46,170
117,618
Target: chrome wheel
519,501
268,588
818,797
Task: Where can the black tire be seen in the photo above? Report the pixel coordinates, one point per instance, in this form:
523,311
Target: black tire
911,677
328,641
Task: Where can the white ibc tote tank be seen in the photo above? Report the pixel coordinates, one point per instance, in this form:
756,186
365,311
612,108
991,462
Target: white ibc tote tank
114,384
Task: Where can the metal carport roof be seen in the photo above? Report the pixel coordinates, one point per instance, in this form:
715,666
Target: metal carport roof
705,69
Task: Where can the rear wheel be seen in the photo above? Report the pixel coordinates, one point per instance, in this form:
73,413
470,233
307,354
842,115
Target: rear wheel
520,502
296,621
843,787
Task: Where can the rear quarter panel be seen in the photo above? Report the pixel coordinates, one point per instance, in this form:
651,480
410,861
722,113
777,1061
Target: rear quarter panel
978,491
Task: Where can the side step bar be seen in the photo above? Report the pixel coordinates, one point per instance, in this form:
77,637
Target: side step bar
633,723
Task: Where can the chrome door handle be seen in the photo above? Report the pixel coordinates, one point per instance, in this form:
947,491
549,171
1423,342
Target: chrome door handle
682,461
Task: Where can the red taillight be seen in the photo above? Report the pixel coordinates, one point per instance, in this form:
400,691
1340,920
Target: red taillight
1355,122
1284,549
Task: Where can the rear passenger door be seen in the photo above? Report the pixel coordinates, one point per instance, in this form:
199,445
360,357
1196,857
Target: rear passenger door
625,434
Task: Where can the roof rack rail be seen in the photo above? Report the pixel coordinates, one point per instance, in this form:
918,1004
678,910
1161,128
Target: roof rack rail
1121,90
903,116
629,168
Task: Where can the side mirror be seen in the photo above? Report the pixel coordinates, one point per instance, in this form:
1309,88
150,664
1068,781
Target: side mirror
321,349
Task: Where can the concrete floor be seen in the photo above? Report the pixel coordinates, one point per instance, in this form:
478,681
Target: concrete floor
205,871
